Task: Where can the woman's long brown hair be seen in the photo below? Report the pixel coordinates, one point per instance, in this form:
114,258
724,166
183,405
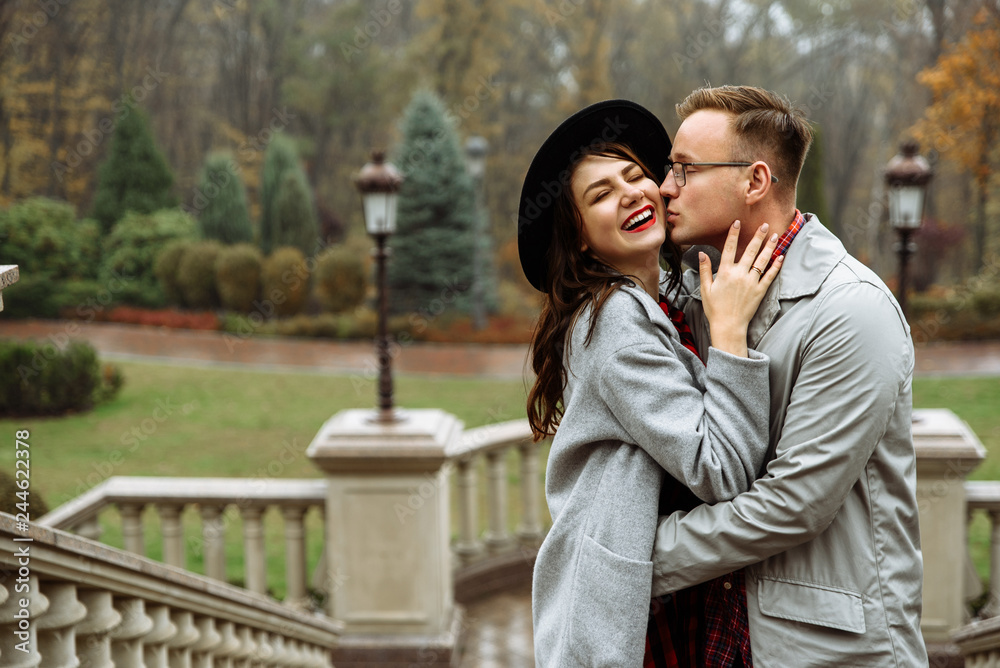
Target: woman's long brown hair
573,281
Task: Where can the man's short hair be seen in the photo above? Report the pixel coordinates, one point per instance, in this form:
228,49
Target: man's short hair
766,125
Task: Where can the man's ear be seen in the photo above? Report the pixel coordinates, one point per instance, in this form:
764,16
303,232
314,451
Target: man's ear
760,182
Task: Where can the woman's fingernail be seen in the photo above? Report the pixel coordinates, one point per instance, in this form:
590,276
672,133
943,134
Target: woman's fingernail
702,257
774,237
736,225
763,228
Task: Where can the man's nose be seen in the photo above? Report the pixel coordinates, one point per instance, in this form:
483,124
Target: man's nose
669,186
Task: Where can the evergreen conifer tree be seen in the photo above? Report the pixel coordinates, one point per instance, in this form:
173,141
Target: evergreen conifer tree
432,257
224,215
135,177
294,222
281,158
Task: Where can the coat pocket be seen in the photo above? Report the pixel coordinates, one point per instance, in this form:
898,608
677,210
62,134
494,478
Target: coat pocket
811,603
610,608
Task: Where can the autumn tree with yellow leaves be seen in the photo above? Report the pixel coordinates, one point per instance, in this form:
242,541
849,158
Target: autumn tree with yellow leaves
962,123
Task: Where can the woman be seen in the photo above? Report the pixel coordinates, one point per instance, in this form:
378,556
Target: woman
631,399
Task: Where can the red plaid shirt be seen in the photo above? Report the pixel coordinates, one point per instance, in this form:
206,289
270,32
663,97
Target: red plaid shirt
704,626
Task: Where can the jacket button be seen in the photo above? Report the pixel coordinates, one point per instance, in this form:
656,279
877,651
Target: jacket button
727,585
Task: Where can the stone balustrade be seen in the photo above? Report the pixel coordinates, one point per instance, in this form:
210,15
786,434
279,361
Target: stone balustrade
9,274
983,496
68,601
492,444
220,501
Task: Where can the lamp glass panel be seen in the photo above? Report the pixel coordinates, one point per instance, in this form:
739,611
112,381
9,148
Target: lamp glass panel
906,206
380,213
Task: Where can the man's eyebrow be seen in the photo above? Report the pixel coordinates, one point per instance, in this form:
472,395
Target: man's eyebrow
679,156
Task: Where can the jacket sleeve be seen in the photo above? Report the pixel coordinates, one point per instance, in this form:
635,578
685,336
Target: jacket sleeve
855,359
713,442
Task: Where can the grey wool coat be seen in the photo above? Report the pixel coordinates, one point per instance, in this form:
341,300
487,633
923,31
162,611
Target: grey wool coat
637,402
830,533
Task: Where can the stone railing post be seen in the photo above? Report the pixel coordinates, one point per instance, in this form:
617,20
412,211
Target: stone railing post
947,450
388,533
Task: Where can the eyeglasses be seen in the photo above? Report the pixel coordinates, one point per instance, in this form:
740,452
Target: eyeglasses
680,169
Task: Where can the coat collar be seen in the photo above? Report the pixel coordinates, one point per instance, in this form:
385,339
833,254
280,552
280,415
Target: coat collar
809,260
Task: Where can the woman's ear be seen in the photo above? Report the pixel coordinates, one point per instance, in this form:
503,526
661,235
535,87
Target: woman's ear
760,182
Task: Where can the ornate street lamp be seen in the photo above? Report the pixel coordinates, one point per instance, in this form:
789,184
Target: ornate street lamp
476,148
907,176
378,182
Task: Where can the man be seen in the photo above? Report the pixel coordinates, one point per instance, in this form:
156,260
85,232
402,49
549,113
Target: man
828,535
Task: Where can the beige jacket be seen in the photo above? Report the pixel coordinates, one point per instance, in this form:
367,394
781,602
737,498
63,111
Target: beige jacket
830,531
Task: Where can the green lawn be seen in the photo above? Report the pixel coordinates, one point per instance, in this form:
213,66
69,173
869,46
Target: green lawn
183,421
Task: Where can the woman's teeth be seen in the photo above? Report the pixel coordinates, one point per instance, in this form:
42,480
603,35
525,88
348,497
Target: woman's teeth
638,220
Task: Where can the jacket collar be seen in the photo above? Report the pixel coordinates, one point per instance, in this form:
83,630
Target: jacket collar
808,262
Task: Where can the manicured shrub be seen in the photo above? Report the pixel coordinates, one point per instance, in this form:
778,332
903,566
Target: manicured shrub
44,379
222,201
294,215
280,161
284,282
196,275
237,277
166,268
135,177
43,236
9,499
987,302
130,253
38,296
340,283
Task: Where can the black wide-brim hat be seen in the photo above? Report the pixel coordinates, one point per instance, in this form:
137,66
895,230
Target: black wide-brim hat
611,121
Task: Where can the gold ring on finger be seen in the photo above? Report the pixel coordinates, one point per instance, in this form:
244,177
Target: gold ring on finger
760,272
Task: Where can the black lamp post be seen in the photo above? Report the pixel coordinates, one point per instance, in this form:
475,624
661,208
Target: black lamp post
907,176
378,182
476,148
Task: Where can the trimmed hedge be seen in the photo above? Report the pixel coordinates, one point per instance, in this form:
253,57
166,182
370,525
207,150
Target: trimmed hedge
237,276
46,379
196,275
285,281
131,250
340,280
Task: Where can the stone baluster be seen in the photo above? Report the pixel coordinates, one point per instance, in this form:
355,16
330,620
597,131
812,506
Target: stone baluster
994,604
57,627
225,652
172,529
468,547
283,656
93,634
179,646
89,528
213,534
497,537
529,531
264,652
208,640
244,656
254,562
155,649
13,634
132,530
295,555
127,638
